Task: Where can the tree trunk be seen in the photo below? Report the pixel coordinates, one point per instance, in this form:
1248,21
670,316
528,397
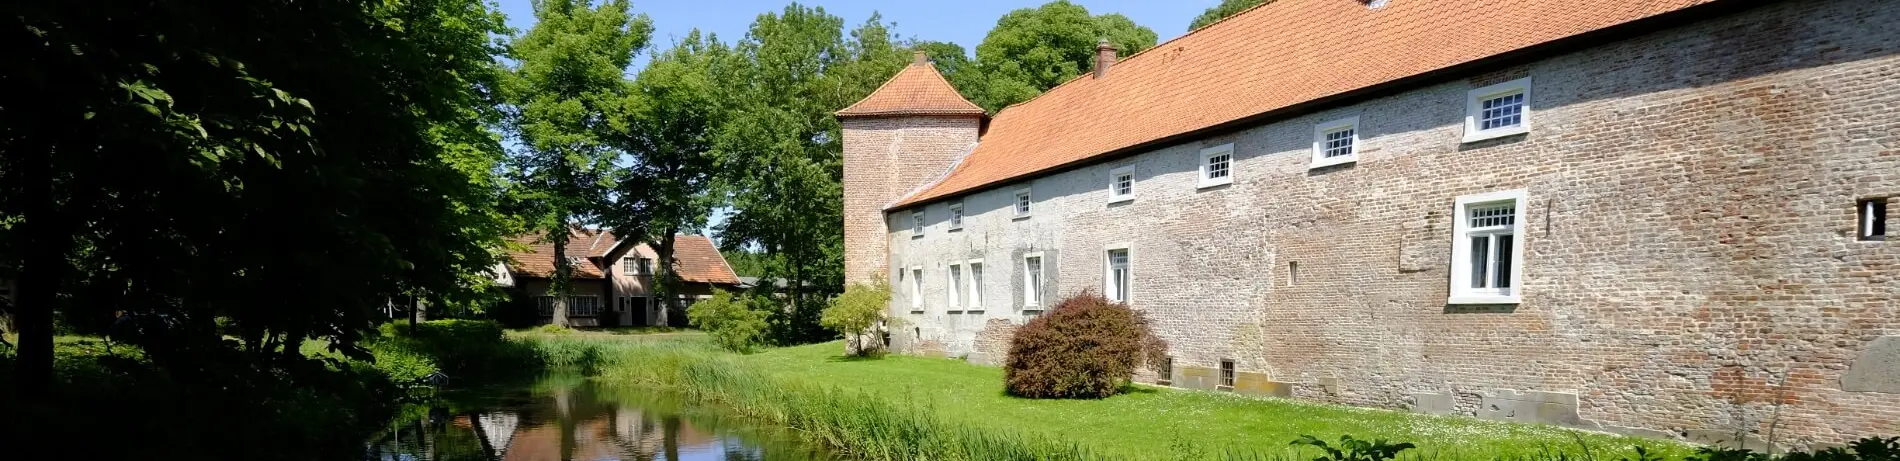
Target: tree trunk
563,273
413,314
41,271
668,278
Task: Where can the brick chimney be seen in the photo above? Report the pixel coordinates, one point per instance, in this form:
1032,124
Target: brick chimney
1104,58
918,58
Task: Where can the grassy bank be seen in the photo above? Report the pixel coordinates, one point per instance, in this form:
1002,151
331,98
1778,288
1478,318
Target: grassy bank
916,408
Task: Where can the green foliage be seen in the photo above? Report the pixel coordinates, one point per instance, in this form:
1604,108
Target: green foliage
749,263
462,349
735,321
854,313
1087,347
1222,11
1034,49
1351,449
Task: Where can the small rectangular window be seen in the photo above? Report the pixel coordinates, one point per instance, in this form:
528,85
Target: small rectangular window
1336,142
1227,373
916,289
917,223
955,288
1498,110
976,284
1032,281
1485,249
956,216
1164,372
1121,184
1873,219
1022,202
1217,165
1292,273
1117,283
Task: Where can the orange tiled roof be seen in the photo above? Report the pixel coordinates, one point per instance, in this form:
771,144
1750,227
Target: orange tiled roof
697,260
916,90
695,257
1272,57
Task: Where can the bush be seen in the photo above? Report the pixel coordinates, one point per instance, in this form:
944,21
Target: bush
462,349
1087,347
731,320
856,311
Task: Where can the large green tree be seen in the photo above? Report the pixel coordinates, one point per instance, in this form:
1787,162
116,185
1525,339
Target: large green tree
780,156
265,170
667,128
563,95
1222,11
1034,49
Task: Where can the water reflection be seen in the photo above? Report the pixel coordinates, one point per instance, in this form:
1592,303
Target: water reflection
564,418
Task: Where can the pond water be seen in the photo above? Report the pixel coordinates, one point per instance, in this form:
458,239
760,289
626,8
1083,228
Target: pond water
570,418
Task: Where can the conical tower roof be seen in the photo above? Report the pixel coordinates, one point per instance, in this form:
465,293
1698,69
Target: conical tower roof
916,90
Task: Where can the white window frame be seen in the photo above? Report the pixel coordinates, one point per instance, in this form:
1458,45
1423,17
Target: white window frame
953,286
1461,290
1032,282
956,215
1115,194
916,288
1108,273
975,270
1206,169
574,306
1023,202
917,224
1474,109
1320,132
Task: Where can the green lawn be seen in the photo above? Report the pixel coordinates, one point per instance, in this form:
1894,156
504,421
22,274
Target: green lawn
1154,423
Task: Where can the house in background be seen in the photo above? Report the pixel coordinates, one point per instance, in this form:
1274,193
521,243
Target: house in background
613,280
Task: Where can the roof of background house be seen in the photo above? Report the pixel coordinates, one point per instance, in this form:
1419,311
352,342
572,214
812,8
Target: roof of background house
1274,56
695,257
917,90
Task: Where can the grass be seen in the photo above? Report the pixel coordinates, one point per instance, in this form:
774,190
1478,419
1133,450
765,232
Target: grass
1154,422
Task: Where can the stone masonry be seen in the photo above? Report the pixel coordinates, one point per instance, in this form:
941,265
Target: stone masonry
1690,264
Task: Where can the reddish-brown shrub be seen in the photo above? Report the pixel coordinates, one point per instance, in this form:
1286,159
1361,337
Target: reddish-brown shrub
1087,347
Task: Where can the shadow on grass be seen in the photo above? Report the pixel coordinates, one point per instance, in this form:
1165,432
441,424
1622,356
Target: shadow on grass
855,358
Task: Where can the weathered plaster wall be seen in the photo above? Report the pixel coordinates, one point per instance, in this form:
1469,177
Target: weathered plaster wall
1690,261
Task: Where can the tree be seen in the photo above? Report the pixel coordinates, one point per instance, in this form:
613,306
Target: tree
667,128
568,81
860,308
731,319
1032,50
780,159
1222,11
270,171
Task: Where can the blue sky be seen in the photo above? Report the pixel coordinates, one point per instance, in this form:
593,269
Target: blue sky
963,22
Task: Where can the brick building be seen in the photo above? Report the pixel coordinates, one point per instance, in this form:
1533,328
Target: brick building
1659,217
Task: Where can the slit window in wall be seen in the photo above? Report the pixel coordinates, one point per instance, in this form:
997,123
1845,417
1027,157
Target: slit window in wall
1117,285
1498,110
1336,142
1032,281
1022,202
916,289
1292,273
1121,184
976,284
1217,165
1873,219
954,290
1227,374
917,223
956,216
1164,371
1487,258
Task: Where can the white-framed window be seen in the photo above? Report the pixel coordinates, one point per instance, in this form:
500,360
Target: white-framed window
976,284
583,306
1217,165
1487,250
1336,142
637,266
1032,281
1116,283
956,216
1873,219
917,223
1121,184
954,289
1498,110
1023,200
916,288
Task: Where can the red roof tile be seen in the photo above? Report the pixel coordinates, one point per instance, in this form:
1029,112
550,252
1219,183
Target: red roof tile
916,90
695,257
697,260
1271,57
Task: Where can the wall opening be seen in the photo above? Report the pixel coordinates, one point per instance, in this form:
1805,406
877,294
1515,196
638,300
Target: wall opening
1872,214
1292,273
1227,374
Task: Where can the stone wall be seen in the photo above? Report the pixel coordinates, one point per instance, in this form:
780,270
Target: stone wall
885,158
1690,263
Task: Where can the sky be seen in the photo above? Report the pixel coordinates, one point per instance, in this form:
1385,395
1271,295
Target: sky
963,22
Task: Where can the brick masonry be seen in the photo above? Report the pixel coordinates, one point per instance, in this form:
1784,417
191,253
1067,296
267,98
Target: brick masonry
1690,263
